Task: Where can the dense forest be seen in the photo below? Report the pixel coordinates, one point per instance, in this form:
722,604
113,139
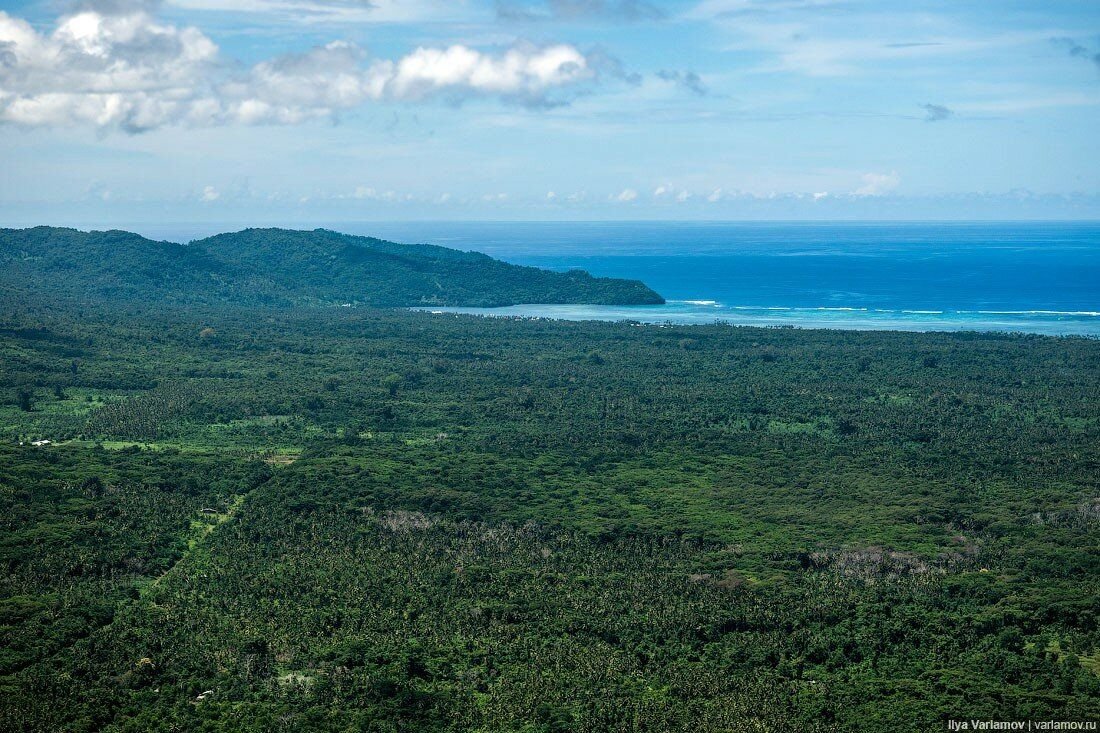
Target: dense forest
283,267
269,519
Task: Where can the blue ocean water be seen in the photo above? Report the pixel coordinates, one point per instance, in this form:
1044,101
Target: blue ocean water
1027,277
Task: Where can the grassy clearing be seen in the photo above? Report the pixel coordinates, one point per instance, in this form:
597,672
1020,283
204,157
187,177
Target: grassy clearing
210,519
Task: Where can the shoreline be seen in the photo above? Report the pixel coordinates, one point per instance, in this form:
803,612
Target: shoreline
1082,323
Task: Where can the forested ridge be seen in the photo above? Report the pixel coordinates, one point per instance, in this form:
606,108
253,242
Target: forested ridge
256,519
284,267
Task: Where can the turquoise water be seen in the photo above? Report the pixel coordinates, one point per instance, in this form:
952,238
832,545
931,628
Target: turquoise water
681,312
1033,277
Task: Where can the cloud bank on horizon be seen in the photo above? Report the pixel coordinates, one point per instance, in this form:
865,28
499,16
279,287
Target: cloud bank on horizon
547,108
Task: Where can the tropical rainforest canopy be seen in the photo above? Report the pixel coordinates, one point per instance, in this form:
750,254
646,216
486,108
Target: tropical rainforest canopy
283,267
251,517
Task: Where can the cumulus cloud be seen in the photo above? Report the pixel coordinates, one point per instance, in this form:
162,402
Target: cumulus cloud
565,10
209,193
128,70
525,72
936,112
878,184
686,79
668,192
103,69
626,196
715,195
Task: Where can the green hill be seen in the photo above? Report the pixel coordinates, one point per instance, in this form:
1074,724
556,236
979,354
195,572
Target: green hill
287,267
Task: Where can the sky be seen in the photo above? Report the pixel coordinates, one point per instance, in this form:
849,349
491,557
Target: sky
311,111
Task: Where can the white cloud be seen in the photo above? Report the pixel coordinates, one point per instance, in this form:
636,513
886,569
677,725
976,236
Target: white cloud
102,70
626,196
524,71
132,72
715,195
550,195
877,184
209,194
667,191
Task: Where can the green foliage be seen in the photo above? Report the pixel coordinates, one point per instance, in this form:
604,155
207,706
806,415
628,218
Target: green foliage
83,528
286,267
355,519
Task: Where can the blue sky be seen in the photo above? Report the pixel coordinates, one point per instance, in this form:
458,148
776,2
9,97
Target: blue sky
315,111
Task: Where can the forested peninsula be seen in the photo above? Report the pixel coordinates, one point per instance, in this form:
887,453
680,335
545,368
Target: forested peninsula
284,267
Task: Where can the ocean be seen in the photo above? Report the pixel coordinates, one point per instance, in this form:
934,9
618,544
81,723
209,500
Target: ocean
1026,277
1022,277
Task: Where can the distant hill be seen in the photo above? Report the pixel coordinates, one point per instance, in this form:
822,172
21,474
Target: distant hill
285,267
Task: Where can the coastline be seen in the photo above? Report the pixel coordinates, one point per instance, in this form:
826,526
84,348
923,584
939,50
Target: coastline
706,312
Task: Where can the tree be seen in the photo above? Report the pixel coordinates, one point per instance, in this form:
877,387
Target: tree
391,382
25,398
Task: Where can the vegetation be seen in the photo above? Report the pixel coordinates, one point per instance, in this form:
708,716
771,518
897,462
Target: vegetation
359,519
285,267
